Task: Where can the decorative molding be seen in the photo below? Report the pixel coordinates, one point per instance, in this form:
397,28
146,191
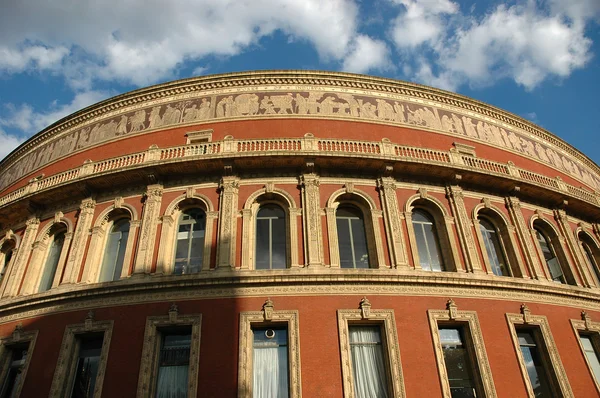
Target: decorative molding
465,228
228,222
148,230
311,220
393,226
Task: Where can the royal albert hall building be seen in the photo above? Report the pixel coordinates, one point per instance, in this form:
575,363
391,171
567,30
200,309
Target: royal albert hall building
298,233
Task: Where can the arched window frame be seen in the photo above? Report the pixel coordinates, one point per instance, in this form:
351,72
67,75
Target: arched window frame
40,251
10,243
506,237
170,224
554,240
444,228
584,239
100,231
366,205
255,201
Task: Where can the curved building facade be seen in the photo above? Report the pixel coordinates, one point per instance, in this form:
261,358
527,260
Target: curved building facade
295,233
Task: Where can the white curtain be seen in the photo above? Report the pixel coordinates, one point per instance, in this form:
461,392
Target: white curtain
367,362
172,382
270,372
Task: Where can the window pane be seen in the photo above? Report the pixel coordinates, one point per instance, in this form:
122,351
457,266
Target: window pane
458,365
368,365
190,241
591,355
361,255
493,249
279,243
551,261
589,254
86,371
424,259
17,355
270,363
433,247
534,365
352,242
345,243
52,261
263,255
173,362
427,241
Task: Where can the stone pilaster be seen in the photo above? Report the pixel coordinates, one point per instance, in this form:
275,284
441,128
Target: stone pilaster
228,223
524,236
15,275
334,253
465,228
574,248
311,218
149,226
80,238
393,227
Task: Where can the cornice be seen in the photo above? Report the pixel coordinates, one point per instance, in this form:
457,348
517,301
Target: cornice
296,77
293,282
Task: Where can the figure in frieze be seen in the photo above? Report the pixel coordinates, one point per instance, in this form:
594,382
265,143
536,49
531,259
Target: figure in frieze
137,120
458,125
554,158
190,114
496,136
312,102
415,117
541,152
246,104
515,142
431,118
230,108
172,115
84,136
155,120
204,112
367,110
447,124
528,148
353,104
469,127
283,103
106,131
571,167
385,111
301,107
399,112
267,105
122,126
327,105
505,140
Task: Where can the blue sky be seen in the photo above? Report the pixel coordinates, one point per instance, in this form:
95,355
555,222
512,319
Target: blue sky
537,59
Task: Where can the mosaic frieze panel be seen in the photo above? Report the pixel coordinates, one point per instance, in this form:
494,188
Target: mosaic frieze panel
298,103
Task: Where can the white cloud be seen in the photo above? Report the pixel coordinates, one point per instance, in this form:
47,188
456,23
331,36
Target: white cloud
366,54
140,41
421,21
8,142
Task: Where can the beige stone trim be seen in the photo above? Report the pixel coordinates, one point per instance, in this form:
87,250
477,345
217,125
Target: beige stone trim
269,194
66,366
39,255
558,244
393,225
580,263
228,222
475,345
586,326
539,324
585,230
168,237
311,220
465,228
149,226
268,316
9,236
151,350
15,275
513,204
17,337
80,239
387,321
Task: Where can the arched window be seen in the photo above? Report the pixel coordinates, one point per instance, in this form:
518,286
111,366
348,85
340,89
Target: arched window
271,245
114,252
427,240
592,254
57,241
352,240
550,249
6,253
493,248
189,248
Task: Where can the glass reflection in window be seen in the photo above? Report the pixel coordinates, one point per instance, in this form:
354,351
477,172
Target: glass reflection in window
352,240
458,363
270,362
51,265
16,357
88,361
114,254
270,238
427,241
173,364
592,260
552,262
591,354
537,372
190,241
493,248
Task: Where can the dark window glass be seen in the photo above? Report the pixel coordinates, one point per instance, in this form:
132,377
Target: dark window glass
88,361
352,240
7,257
491,241
270,238
536,370
173,364
17,355
458,363
190,241
52,261
552,262
270,362
114,253
368,362
427,241
592,260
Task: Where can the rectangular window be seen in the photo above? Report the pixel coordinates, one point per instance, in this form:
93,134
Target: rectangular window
12,369
533,355
173,363
368,361
270,362
591,353
88,362
458,362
